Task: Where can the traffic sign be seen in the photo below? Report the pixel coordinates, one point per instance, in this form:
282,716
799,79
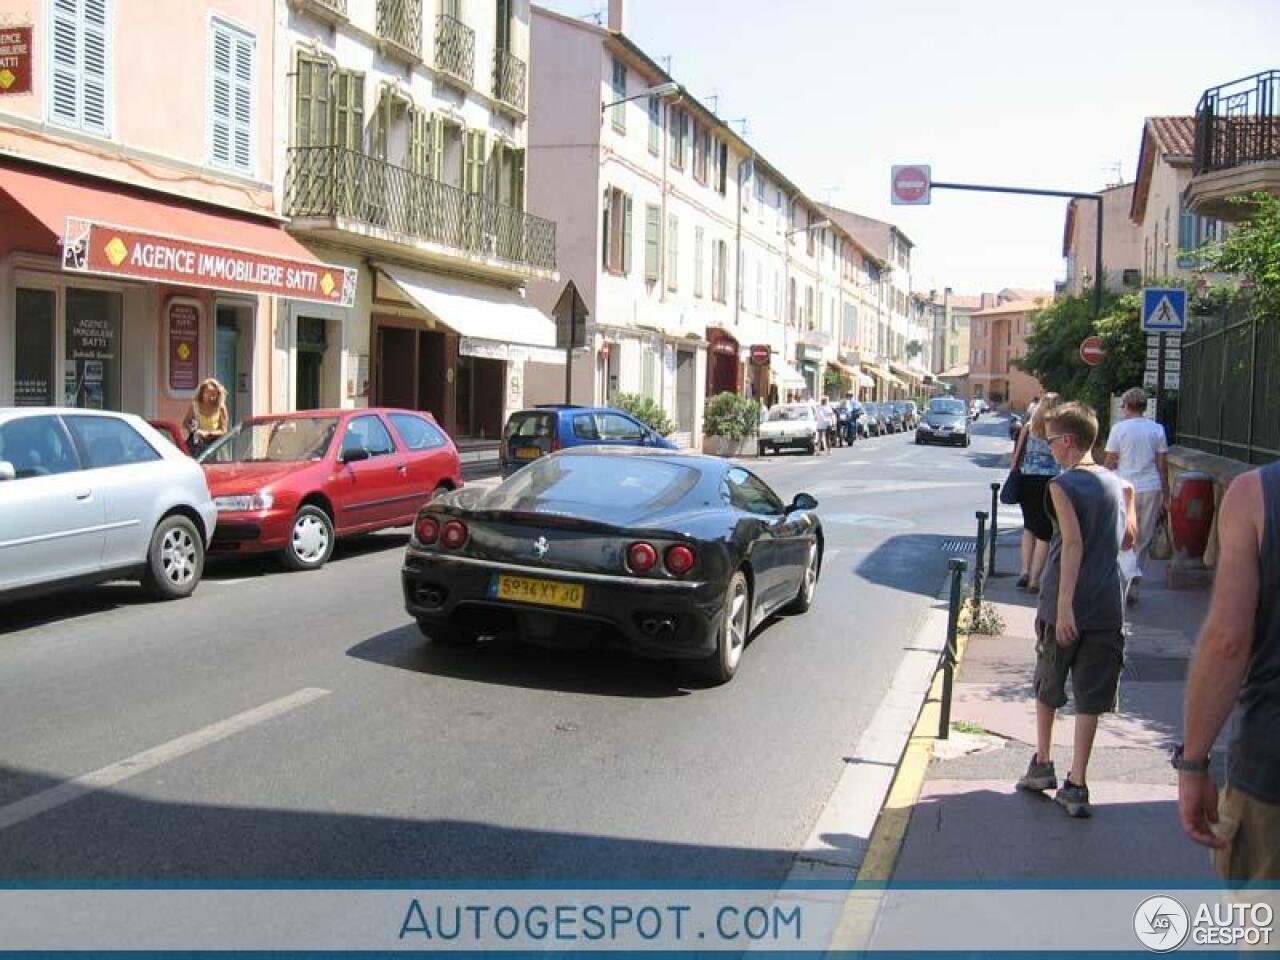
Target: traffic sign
909,184
1091,351
1164,309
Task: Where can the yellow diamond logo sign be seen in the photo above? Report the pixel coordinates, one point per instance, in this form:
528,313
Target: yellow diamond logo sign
7,79
116,251
327,284
184,352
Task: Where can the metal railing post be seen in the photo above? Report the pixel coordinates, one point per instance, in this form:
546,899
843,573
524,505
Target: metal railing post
957,566
995,528
981,559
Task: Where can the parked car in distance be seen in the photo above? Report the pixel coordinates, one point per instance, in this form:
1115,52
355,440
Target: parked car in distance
293,483
542,430
674,554
88,496
877,425
171,432
910,413
944,422
789,425
892,417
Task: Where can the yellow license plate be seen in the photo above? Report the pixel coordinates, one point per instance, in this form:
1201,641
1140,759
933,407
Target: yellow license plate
528,453
547,593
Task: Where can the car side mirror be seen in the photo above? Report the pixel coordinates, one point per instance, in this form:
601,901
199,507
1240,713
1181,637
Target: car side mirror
803,501
354,455
7,472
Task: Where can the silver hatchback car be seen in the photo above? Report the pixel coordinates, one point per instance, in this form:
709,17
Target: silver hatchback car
88,496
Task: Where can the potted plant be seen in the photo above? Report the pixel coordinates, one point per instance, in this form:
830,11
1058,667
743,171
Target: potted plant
730,426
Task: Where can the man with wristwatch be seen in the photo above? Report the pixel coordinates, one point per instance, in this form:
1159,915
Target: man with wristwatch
1238,658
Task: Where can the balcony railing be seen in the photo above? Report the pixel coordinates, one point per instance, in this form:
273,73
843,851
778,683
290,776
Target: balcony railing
1238,123
455,48
329,8
400,21
509,79
335,182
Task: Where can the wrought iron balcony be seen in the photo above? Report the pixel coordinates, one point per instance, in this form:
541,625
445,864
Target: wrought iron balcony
400,22
334,11
1238,123
345,185
455,48
509,79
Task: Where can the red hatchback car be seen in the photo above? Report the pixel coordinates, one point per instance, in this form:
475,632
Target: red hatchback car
295,482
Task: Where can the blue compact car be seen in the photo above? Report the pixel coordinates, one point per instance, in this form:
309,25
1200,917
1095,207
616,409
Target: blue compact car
534,433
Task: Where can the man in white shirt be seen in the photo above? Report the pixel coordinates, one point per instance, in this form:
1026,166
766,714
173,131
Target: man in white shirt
1138,451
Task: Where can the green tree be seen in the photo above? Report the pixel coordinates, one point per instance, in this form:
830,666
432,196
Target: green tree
732,416
1251,250
646,410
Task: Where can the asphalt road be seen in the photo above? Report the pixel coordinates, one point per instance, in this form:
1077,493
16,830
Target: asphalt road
297,726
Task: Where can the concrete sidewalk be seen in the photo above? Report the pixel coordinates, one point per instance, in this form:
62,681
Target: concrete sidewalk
971,824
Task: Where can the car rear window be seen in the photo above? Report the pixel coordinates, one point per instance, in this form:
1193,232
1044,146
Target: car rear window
596,484
531,426
416,432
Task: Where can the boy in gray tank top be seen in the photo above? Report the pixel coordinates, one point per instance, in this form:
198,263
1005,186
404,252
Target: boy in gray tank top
1080,617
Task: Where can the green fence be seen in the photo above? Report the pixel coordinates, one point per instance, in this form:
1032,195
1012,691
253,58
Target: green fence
1229,402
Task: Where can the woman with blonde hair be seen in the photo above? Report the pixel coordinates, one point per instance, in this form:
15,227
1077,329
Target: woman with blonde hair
207,419
1036,467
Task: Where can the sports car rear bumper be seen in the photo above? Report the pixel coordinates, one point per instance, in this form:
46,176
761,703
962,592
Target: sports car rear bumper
656,618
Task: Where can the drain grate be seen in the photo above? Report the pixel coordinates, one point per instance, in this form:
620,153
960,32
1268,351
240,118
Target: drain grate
963,545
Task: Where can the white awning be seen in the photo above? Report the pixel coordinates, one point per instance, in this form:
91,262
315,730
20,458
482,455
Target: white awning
865,381
786,375
477,311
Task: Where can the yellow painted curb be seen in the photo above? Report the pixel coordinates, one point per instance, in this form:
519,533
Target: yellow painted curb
857,918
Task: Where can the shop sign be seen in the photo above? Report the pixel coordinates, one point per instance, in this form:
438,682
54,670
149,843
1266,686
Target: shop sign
91,355
90,247
15,60
726,348
809,351
760,353
184,346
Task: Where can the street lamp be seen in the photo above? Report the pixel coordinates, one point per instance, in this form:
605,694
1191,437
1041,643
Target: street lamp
668,89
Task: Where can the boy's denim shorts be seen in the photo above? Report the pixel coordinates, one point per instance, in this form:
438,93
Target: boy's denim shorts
1094,663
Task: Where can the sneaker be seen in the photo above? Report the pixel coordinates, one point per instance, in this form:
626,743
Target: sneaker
1074,799
1023,581
1039,776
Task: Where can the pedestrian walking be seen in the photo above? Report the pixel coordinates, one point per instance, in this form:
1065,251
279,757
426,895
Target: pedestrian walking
1138,451
1080,616
1036,466
207,419
1238,660
826,425
853,413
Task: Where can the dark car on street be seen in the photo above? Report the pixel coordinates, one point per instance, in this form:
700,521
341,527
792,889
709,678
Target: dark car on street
675,555
945,421
893,417
910,413
530,434
877,425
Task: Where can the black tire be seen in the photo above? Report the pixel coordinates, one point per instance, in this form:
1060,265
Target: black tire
811,448
175,559
311,540
445,634
732,633
761,450
809,584
919,442
966,440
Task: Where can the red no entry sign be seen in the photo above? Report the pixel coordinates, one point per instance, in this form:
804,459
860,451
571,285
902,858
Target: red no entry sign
909,184
1091,351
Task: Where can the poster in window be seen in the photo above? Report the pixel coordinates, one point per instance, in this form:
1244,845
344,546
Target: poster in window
92,373
184,346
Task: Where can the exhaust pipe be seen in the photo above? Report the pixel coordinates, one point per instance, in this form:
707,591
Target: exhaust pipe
431,598
652,626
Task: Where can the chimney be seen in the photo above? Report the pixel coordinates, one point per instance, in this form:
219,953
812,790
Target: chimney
616,16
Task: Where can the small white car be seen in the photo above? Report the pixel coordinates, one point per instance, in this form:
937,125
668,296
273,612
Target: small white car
789,425
88,496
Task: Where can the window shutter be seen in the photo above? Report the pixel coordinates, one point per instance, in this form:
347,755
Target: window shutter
697,261
220,99
475,161
723,166
93,65
652,226
64,94
348,110
242,104
673,252
604,229
517,186
437,148
626,235
655,124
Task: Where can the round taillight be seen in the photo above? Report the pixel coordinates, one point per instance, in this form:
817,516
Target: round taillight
641,557
454,534
427,530
680,559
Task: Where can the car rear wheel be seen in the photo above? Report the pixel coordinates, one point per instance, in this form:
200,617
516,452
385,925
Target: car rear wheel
175,559
310,540
731,638
811,447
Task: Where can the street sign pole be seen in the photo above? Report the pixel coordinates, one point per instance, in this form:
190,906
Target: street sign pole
568,351
1160,380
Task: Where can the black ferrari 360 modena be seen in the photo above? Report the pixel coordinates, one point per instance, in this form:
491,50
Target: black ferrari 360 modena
678,555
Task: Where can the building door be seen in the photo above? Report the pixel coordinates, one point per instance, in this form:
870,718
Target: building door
613,371
397,367
685,385
311,347
227,357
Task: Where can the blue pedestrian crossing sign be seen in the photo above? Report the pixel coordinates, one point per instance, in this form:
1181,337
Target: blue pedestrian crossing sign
1164,309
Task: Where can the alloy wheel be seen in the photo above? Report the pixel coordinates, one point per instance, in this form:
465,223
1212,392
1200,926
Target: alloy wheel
178,556
737,625
811,574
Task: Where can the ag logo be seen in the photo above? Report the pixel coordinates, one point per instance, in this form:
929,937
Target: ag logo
1161,924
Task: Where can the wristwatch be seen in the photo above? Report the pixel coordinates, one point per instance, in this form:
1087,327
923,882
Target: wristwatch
1179,762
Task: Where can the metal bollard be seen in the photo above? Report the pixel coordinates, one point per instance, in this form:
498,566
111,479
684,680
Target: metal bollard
995,528
957,567
981,558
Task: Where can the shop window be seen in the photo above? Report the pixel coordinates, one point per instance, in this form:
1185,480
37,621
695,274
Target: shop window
33,360
108,442
92,372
